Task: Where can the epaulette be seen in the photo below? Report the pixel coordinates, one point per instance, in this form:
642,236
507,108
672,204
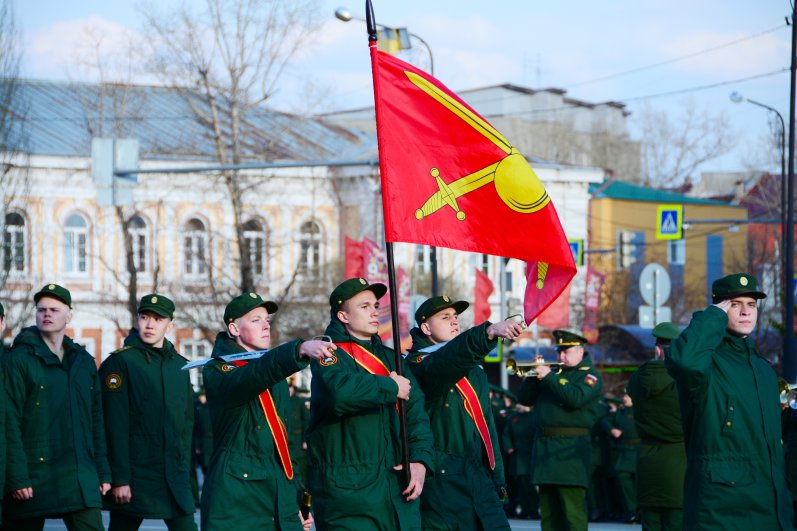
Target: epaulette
583,368
120,350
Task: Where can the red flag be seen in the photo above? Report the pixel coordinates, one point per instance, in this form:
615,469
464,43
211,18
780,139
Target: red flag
481,305
450,180
353,265
557,315
592,301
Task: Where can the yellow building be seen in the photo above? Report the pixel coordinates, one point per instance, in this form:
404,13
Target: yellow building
623,222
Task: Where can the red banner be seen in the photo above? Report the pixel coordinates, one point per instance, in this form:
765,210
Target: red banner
449,179
557,315
374,268
592,302
481,304
353,265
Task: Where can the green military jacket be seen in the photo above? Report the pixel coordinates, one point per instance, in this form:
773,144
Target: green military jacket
519,435
54,428
149,414
731,417
203,435
464,487
661,465
566,405
353,441
246,486
626,446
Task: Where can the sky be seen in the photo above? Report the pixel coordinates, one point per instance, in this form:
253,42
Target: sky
657,53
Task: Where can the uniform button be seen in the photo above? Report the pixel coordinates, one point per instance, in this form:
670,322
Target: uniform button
41,387
41,459
731,408
258,426
446,405
728,424
450,390
443,471
37,404
246,475
733,482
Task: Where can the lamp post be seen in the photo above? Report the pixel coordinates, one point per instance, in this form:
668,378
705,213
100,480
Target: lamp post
345,15
739,98
789,354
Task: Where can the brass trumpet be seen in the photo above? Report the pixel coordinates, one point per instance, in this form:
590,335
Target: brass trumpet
788,393
527,369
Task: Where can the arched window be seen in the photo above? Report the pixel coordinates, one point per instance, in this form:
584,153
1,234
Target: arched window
137,228
255,238
14,243
76,237
310,255
195,244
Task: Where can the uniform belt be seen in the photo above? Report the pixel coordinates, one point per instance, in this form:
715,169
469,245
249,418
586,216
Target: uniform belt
658,442
564,432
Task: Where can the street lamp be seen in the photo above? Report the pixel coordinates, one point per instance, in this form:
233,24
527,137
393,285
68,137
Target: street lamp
400,36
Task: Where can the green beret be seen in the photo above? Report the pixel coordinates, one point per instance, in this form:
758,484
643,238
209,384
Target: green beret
2,310
245,303
665,332
437,304
55,291
351,287
565,339
737,285
157,304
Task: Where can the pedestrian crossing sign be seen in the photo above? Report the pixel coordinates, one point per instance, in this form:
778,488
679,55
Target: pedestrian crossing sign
669,222
577,248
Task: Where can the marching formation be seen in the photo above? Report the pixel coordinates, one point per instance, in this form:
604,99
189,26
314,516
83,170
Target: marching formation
393,443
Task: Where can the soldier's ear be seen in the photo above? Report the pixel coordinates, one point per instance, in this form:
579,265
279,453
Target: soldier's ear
233,330
426,329
342,317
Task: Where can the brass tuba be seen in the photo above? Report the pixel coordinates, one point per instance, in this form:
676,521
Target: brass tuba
788,393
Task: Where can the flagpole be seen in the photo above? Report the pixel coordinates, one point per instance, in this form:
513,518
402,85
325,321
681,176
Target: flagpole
370,22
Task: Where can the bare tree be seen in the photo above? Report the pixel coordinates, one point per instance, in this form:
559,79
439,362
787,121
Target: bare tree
674,148
227,60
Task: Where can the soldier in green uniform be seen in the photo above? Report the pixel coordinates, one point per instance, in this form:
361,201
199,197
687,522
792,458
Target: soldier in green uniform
300,419
57,465
463,494
354,448
626,449
149,416
565,401
661,465
598,499
731,416
518,439
250,482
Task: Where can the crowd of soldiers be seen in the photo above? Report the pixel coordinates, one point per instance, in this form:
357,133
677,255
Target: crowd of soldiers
386,442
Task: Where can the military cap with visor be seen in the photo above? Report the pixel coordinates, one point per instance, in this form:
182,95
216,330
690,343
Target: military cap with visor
437,304
665,333
245,303
157,304
564,339
351,287
736,285
55,291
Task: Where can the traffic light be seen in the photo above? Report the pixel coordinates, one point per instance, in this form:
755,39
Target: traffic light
626,249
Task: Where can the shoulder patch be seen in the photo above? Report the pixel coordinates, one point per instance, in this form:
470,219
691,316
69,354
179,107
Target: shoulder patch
227,367
563,381
331,360
419,358
113,381
120,350
591,380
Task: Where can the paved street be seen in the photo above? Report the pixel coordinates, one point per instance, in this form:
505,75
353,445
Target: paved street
517,525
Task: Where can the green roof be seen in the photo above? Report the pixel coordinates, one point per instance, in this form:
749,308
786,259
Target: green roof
633,192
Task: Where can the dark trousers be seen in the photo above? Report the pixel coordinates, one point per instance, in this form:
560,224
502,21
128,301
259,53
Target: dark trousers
563,508
659,519
127,522
83,520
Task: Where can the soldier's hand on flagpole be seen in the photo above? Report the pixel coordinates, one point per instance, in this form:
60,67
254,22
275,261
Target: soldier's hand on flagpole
507,329
307,523
316,349
121,494
403,386
417,477
23,494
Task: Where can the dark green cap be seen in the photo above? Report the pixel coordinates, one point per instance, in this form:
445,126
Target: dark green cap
436,304
351,287
245,303
565,339
665,332
737,285
157,304
55,291
2,310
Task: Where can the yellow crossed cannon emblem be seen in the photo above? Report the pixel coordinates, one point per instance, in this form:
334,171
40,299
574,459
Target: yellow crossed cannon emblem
515,182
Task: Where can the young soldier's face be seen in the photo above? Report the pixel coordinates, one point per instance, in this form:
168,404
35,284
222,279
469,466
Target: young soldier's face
253,330
52,315
360,315
742,315
570,357
152,328
442,326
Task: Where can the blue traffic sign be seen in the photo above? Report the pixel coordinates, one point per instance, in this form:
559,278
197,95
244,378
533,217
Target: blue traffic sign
669,222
